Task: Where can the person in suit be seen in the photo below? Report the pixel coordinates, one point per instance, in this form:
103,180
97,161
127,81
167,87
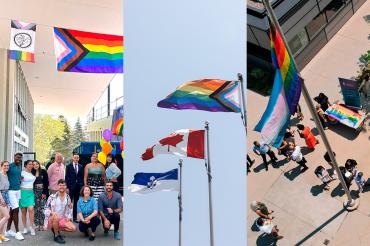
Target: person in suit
74,180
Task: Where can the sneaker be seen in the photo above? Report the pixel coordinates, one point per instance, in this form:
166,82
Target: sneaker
59,239
91,238
4,239
117,236
19,236
25,231
106,233
32,230
10,233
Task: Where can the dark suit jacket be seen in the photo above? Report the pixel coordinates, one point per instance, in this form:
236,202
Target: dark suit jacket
74,181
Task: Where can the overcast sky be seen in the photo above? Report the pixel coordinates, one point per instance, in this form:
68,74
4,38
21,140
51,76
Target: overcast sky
168,43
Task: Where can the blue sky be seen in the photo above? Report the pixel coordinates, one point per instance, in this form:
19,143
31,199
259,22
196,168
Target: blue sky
168,43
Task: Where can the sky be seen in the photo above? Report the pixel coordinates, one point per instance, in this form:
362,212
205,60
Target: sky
168,43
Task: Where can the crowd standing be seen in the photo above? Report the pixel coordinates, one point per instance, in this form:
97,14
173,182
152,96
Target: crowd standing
291,151
63,198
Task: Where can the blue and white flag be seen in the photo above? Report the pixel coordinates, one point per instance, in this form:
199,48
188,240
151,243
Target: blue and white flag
150,182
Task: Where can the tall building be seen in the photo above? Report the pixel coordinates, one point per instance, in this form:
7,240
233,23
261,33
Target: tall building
308,26
100,115
16,109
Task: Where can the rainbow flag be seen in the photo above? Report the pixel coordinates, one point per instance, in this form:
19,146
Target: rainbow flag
117,128
213,95
345,116
289,74
284,96
22,41
88,52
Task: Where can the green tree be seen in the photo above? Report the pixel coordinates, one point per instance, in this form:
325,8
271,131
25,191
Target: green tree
63,143
46,129
78,134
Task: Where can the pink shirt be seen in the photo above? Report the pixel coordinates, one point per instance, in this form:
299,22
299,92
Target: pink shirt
55,172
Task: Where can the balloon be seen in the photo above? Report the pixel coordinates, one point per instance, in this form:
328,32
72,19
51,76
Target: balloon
107,148
102,142
113,152
107,134
121,144
102,157
122,154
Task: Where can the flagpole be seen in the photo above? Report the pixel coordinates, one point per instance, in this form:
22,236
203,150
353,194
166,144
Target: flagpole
209,174
351,204
244,109
180,202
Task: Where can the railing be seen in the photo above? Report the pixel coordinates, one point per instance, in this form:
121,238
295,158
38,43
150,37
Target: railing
104,111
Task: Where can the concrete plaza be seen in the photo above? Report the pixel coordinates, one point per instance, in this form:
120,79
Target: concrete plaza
77,238
304,212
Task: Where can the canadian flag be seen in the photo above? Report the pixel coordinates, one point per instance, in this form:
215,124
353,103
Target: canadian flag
183,142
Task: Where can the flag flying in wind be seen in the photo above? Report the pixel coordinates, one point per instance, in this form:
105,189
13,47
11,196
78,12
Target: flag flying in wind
185,142
289,74
207,94
22,41
285,93
88,52
151,182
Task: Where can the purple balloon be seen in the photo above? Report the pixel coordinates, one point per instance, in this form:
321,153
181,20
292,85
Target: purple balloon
107,135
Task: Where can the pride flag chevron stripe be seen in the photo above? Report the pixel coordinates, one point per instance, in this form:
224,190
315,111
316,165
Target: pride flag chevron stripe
87,52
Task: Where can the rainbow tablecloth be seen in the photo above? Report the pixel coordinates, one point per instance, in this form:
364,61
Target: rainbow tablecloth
345,115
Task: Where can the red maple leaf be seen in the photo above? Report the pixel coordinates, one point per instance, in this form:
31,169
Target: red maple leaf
172,139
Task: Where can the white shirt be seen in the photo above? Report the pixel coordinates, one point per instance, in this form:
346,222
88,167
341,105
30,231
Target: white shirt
75,167
28,179
60,205
297,154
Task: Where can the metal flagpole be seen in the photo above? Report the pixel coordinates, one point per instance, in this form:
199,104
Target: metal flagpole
180,201
209,174
351,204
243,103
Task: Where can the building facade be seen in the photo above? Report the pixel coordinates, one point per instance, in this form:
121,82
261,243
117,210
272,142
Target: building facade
308,26
16,109
100,115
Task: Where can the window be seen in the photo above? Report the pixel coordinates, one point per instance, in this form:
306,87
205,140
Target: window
315,25
333,7
299,41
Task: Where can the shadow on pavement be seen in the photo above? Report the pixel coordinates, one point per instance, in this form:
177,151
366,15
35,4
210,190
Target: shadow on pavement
344,131
266,240
337,191
280,163
317,189
259,168
319,228
293,173
305,150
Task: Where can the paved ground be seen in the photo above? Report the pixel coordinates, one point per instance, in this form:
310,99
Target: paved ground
305,213
76,238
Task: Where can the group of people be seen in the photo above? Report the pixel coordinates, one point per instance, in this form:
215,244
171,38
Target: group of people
264,220
60,196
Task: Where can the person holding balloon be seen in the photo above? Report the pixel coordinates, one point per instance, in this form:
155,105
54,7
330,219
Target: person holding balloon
94,174
112,171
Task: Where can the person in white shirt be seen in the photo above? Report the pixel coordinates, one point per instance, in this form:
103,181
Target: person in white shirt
297,156
27,201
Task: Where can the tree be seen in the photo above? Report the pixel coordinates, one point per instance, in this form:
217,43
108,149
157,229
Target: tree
46,130
78,134
63,144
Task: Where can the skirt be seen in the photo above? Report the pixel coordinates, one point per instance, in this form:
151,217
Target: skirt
97,185
27,199
5,196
